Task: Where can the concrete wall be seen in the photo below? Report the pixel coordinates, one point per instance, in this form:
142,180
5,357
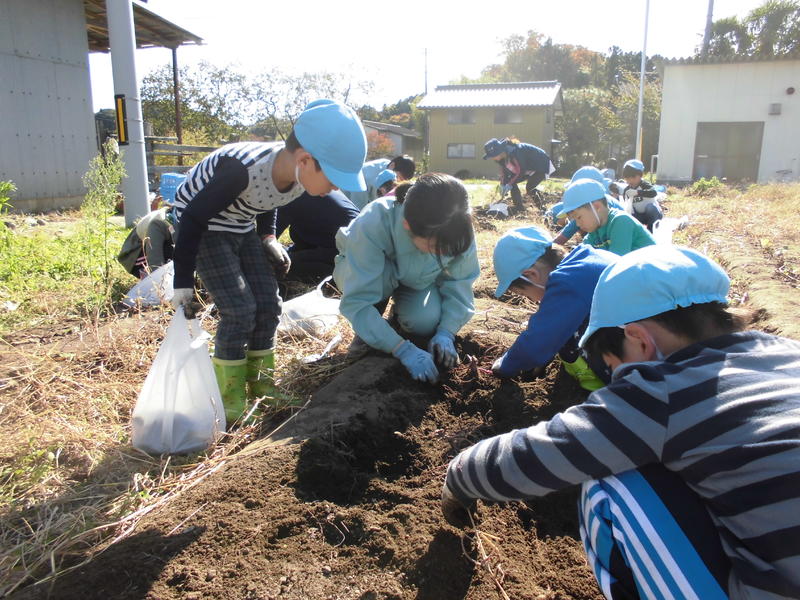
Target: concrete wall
534,129
46,120
740,92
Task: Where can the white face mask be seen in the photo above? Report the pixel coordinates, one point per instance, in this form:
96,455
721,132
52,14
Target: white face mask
297,173
594,212
533,283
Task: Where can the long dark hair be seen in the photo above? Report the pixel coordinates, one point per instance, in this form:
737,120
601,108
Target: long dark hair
436,206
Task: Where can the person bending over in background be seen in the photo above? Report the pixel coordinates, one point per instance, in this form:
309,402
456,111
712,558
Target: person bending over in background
528,263
418,249
585,202
641,195
226,217
402,166
688,459
313,247
150,243
518,162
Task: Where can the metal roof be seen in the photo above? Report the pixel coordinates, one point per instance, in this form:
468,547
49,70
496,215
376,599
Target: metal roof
720,60
525,93
152,31
391,128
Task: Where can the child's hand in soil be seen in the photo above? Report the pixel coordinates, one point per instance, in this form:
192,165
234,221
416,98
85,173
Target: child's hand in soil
418,362
443,349
455,512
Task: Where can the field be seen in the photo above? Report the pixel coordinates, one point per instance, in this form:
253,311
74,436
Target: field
339,501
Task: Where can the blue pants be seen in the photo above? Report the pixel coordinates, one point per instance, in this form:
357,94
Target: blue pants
418,311
648,535
236,272
650,215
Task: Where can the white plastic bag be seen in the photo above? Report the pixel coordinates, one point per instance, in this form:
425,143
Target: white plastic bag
179,409
664,228
154,289
309,314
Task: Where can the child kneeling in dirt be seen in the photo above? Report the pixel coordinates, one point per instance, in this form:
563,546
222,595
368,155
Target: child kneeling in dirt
528,263
226,226
688,458
641,195
585,202
419,249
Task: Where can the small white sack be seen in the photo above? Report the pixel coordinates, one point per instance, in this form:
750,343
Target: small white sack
310,314
179,409
154,289
664,228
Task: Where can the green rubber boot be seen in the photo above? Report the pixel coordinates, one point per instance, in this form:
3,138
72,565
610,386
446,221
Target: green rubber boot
581,371
261,380
231,378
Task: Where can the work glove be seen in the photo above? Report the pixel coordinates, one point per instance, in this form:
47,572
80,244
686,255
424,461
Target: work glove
277,255
505,188
443,349
454,511
631,194
418,362
184,297
497,365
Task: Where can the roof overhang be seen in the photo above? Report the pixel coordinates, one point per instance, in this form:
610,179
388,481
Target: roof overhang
152,31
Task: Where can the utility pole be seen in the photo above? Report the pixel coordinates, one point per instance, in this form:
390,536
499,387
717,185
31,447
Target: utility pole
426,70
176,91
638,149
707,34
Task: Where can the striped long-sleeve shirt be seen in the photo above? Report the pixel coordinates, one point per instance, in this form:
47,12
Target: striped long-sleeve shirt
724,415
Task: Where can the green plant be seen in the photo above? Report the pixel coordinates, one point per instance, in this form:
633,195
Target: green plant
704,187
6,189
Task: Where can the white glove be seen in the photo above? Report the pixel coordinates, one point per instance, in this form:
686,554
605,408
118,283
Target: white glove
277,255
498,364
631,194
184,297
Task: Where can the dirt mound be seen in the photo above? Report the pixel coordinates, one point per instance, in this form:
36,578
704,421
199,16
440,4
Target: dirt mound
352,510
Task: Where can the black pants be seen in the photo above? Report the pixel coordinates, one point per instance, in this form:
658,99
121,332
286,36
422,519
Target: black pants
530,185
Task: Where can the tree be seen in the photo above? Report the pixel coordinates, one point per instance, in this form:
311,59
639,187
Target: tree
379,145
772,29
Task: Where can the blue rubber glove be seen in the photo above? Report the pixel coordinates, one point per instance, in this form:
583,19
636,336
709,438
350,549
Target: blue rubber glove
443,348
418,362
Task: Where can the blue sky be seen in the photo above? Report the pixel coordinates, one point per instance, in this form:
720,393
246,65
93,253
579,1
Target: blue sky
387,45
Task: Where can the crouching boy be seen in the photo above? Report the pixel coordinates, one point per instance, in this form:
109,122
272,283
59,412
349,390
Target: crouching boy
688,458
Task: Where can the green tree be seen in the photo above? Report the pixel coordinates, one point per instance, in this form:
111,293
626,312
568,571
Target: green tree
772,29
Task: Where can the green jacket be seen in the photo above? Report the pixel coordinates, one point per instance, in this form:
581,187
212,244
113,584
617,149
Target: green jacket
376,255
620,234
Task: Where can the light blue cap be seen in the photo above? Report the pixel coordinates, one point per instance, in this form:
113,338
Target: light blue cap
383,177
587,172
332,133
555,210
635,164
516,250
651,281
580,192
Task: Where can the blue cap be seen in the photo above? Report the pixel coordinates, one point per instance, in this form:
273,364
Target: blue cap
493,147
580,192
332,133
635,164
587,172
383,177
517,250
555,210
653,280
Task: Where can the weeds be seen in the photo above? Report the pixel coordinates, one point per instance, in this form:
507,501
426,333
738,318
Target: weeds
706,187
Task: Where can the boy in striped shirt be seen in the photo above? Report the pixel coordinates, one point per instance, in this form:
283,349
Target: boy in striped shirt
689,459
226,230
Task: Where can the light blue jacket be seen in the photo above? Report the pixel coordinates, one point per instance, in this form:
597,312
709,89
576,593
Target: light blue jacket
370,170
376,255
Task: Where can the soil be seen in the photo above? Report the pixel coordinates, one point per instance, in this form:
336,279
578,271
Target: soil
343,502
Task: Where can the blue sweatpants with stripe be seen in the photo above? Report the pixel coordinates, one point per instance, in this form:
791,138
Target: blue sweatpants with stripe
648,535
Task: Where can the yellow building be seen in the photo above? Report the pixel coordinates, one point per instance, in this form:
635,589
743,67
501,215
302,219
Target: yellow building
461,118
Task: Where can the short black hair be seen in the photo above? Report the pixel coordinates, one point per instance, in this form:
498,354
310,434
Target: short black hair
611,163
629,171
696,322
292,144
404,165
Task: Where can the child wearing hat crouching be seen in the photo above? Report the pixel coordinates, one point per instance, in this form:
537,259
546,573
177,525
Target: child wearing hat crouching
640,195
688,459
528,263
586,203
226,230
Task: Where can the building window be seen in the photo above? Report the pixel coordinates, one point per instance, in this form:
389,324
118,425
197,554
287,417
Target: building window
460,150
504,116
460,117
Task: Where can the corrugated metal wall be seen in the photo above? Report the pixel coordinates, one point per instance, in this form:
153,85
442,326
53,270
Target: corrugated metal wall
46,120
533,130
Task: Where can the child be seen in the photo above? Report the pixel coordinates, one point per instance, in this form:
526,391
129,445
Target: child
586,203
528,263
385,183
313,247
418,248
610,172
227,228
150,244
369,171
404,166
571,228
641,195
688,458
518,162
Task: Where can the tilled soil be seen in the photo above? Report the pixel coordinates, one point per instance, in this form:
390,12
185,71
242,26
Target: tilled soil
343,503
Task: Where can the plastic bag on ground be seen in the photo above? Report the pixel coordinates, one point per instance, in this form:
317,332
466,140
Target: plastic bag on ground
664,228
179,409
154,289
310,314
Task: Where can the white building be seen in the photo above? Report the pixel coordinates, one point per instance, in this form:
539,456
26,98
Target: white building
739,120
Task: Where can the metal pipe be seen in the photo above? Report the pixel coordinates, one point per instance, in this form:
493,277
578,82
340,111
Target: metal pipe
638,149
177,95
122,40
